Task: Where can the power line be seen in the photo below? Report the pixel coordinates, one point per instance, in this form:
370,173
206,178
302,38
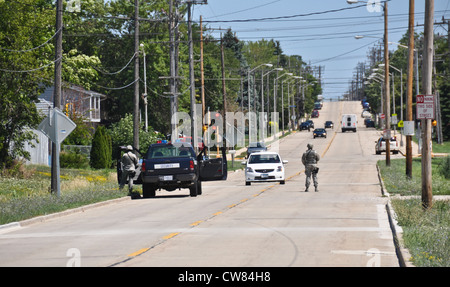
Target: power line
30,70
115,73
285,17
35,48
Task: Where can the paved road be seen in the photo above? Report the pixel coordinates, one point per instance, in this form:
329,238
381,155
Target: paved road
345,224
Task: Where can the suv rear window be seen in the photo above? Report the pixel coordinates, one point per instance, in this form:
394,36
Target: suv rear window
170,151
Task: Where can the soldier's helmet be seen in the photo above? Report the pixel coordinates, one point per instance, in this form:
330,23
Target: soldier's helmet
130,148
309,146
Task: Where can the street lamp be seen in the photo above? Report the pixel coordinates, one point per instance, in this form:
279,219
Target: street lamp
248,92
275,85
262,98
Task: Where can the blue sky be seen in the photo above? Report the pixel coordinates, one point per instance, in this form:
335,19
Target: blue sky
319,38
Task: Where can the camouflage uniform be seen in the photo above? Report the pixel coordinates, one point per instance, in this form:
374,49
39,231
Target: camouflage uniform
129,164
310,159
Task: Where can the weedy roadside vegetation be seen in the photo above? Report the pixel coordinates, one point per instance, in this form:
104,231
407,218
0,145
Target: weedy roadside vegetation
426,234
25,192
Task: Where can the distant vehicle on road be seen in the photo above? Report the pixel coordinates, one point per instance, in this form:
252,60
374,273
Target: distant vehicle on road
329,125
307,125
263,167
319,132
380,145
255,147
369,123
318,105
349,122
315,114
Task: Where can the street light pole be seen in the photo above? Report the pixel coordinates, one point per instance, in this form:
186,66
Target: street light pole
386,88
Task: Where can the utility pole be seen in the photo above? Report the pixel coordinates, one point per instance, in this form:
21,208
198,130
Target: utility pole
427,73
192,76
202,72
409,97
57,93
386,87
224,90
173,81
192,80
136,77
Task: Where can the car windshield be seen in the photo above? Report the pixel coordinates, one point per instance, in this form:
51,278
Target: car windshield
169,151
264,158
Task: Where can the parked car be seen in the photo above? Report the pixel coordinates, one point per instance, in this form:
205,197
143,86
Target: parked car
369,123
256,147
329,124
307,125
315,114
380,145
319,132
264,166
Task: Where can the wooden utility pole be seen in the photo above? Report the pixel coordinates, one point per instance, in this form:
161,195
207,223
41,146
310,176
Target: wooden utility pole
409,97
224,91
427,73
192,82
202,72
387,87
136,77
57,92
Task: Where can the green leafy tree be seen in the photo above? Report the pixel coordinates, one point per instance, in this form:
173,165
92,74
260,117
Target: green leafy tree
101,154
25,63
122,134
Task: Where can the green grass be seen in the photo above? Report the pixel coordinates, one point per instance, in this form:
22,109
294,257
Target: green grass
396,182
425,232
28,196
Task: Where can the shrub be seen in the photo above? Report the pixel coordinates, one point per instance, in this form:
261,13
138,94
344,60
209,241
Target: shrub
73,160
101,154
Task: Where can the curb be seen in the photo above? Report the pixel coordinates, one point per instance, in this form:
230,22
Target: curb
44,218
403,254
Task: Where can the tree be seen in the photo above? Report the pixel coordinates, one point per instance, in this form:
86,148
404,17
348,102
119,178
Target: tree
101,153
122,134
26,62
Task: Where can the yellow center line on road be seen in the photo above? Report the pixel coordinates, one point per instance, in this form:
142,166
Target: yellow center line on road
139,252
194,224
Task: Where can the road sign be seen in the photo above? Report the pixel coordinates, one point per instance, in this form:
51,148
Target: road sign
394,119
57,126
400,124
425,107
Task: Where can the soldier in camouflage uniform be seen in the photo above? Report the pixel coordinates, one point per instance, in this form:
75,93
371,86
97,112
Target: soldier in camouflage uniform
129,165
310,159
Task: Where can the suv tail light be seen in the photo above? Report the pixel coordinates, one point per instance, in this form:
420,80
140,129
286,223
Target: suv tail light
143,167
191,165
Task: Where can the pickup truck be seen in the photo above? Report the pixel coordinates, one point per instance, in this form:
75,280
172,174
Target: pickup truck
380,145
172,166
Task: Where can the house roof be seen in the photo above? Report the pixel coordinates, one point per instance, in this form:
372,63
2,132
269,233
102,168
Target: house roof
47,95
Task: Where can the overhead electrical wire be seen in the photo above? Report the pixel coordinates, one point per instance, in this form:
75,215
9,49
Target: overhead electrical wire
35,48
